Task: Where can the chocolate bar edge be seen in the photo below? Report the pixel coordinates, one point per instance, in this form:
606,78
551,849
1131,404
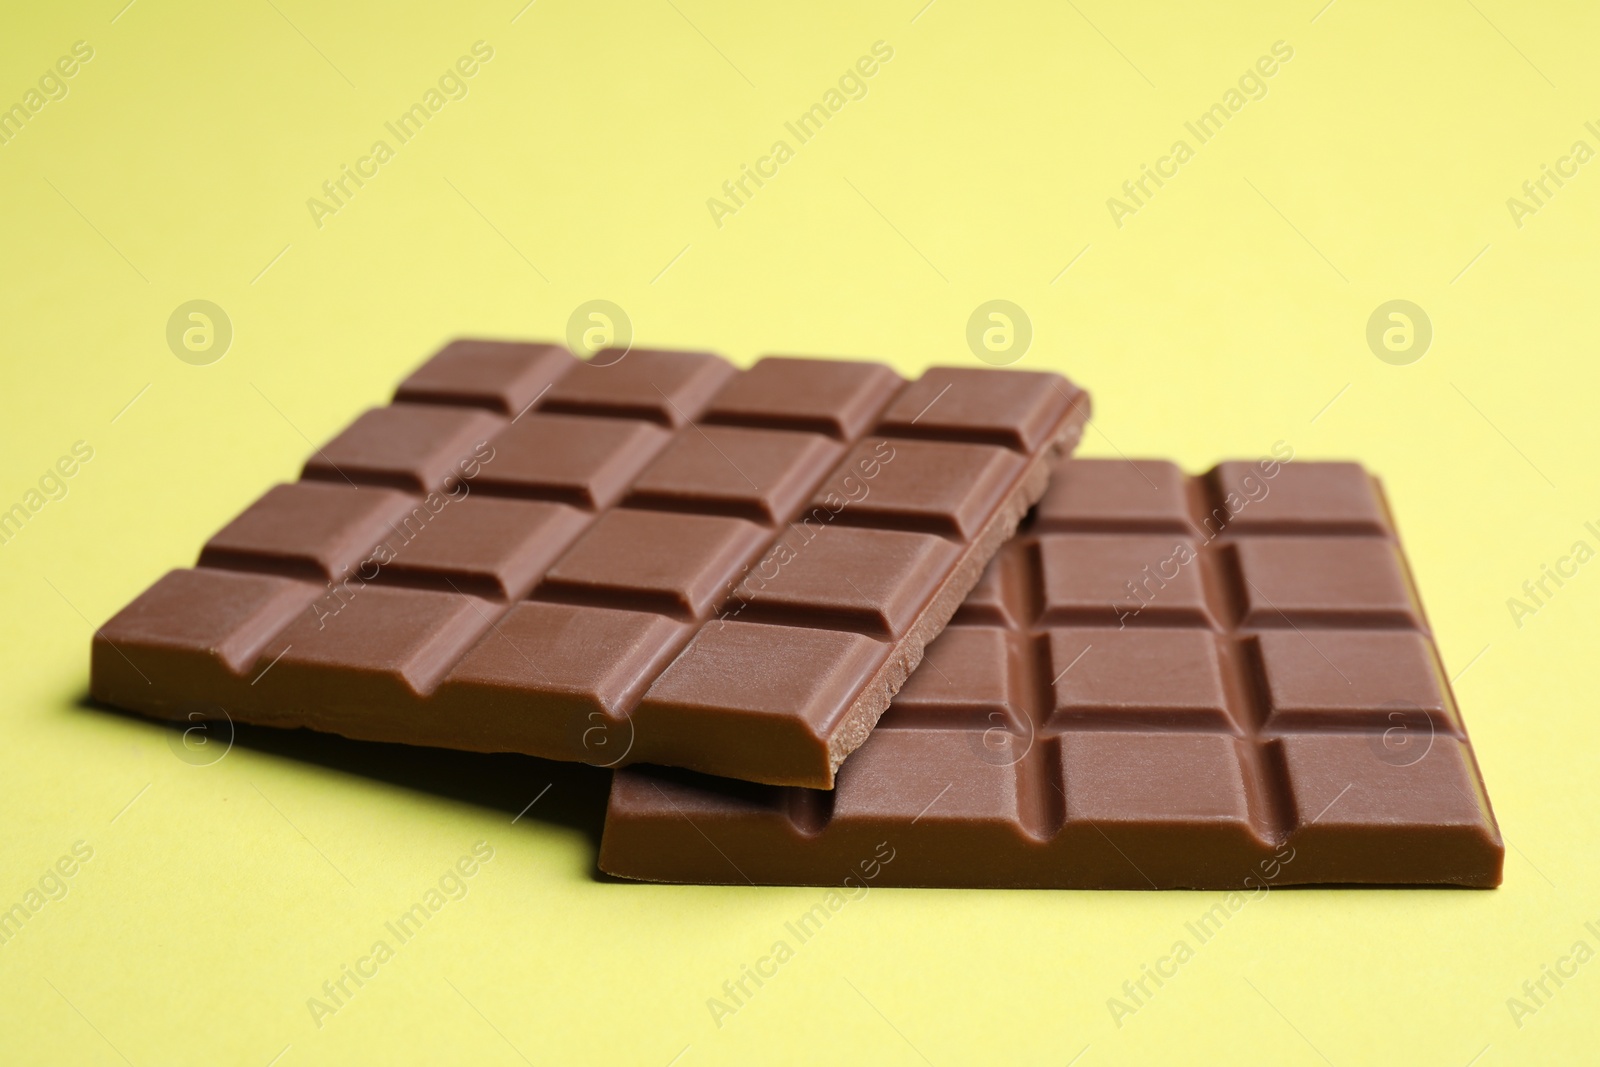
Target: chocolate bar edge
863,716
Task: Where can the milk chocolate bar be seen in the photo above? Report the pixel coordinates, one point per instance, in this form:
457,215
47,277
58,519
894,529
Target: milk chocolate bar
649,556
1222,682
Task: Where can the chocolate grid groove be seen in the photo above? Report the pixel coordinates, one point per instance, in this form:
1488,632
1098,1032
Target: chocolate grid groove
1041,800
627,600
1131,790
634,502
1225,589
1041,804
731,520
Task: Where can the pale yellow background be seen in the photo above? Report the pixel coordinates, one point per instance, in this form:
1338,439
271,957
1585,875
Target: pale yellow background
1226,315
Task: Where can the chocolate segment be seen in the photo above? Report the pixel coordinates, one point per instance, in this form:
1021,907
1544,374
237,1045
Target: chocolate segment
649,557
1224,682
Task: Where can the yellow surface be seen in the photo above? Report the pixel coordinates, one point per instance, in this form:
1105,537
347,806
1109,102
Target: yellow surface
1227,313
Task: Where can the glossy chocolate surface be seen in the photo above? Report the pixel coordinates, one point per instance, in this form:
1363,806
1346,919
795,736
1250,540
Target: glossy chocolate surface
651,556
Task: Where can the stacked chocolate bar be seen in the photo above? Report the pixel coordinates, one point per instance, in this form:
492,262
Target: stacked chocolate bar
723,582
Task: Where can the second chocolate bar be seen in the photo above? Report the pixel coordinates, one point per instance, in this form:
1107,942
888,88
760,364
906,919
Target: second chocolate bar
1222,682
652,556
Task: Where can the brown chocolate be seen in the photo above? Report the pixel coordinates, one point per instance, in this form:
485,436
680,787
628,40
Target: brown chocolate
1220,682
652,556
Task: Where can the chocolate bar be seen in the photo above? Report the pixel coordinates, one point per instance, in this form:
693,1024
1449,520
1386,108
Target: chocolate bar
1222,682
650,556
